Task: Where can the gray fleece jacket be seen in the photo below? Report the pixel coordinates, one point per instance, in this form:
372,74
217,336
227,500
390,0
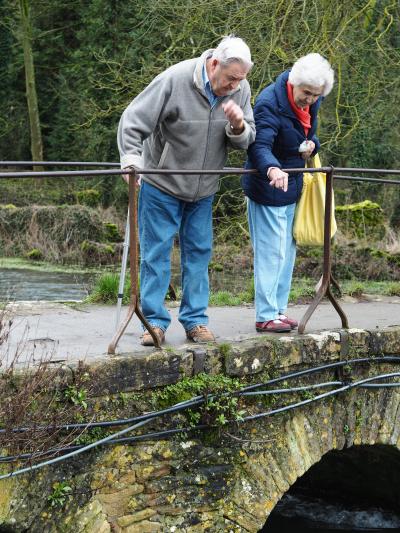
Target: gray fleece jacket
171,125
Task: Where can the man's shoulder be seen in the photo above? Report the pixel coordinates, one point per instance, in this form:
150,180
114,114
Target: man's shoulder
183,67
245,86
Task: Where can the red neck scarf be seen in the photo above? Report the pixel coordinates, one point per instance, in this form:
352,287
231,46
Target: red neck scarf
302,114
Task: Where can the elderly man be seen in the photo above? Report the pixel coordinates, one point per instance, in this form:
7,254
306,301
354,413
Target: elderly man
186,118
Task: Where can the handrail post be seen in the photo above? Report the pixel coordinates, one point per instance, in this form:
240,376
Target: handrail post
134,306
324,287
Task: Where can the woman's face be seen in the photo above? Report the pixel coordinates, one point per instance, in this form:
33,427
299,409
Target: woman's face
304,95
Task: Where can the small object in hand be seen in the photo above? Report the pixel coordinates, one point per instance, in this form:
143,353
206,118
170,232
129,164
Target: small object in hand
304,147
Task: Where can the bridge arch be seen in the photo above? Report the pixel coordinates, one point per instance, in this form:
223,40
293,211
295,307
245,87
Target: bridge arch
361,420
342,486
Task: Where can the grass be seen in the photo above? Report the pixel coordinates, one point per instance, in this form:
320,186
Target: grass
225,298
19,263
105,291
382,288
303,289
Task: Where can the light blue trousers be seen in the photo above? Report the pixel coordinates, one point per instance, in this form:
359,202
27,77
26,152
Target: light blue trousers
274,255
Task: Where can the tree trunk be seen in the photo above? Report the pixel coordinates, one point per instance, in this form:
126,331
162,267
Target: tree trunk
31,95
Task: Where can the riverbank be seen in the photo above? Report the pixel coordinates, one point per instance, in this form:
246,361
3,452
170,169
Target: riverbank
22,280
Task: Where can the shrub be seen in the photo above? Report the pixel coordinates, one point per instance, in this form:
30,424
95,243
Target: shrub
111,232
34,255
89,197
97,252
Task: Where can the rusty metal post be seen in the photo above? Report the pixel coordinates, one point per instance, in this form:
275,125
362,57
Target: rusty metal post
327,278
134,306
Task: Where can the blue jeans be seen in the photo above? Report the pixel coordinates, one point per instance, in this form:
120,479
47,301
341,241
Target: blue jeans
161,216
274,255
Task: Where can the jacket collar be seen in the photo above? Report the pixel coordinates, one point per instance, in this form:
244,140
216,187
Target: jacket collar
198,73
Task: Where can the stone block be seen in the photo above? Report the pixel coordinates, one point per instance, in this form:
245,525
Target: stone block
144,527
385,341
250,357
116,503
136,373
127,520
320,347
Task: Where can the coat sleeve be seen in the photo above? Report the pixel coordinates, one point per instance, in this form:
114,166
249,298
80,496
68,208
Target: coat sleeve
315,140
244,139
140,119
267,127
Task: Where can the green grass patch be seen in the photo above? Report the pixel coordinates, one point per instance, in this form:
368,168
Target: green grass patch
15,263
223,298
379,288
105,290
303,289
393,288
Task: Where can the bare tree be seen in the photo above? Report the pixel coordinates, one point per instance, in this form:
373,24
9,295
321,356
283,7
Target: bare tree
25,35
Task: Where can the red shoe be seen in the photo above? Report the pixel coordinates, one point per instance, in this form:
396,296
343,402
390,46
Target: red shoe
274,326
291,321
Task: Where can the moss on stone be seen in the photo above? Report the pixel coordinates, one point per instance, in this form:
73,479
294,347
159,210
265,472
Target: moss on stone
6,494
364,220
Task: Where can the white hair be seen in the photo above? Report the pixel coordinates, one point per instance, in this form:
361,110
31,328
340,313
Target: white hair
313,70
232,49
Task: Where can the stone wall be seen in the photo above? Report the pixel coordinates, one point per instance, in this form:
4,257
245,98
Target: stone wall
225,479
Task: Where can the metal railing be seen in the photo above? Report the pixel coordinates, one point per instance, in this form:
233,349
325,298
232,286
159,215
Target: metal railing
327,279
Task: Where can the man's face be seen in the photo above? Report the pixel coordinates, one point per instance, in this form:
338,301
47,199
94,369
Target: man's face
304,95
225,79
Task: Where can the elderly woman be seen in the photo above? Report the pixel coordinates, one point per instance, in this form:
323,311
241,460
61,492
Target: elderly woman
286,121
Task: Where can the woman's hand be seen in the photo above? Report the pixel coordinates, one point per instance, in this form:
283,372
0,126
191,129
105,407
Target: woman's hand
278,178
310,148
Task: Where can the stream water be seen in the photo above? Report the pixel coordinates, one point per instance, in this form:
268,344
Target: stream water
28,285
24,284
303,514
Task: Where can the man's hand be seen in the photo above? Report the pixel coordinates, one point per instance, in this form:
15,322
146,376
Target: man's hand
234,114
310,148
278,179
126,176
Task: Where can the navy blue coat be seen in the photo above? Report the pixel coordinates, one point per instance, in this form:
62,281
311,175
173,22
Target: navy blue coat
279,134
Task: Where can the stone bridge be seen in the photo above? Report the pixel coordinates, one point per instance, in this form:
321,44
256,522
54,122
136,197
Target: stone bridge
229,477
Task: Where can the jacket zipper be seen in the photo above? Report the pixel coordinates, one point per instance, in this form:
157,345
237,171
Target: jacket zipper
205,153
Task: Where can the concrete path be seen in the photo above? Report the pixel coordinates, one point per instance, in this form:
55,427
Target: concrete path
62,332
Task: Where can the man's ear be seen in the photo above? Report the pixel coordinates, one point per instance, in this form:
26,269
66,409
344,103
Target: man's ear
214,64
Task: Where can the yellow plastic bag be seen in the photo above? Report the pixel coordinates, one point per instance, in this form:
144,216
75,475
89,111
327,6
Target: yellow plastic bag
308,227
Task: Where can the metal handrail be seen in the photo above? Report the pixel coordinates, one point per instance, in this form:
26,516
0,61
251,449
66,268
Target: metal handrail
134,307
57,163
